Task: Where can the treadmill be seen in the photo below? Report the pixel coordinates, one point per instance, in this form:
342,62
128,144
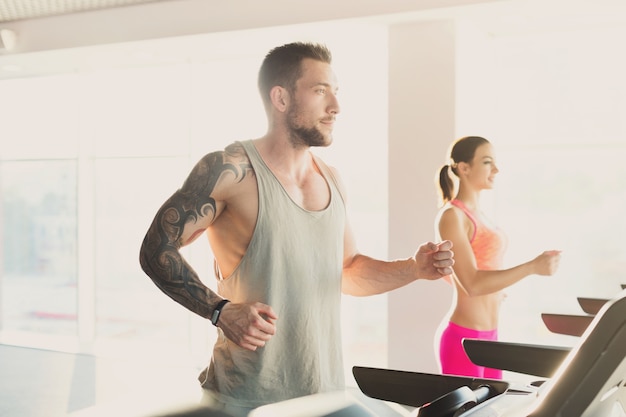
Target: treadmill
587,380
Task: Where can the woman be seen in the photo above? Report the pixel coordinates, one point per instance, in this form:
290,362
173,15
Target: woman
478,277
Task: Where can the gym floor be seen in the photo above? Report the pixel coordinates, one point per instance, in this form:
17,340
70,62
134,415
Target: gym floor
43,383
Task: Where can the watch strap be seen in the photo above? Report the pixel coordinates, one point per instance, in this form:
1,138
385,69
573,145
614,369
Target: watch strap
215,316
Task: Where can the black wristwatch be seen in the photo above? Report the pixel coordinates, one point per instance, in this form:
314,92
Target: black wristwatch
218,310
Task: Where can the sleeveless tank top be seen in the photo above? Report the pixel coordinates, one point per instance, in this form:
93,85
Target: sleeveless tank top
488,243
294,264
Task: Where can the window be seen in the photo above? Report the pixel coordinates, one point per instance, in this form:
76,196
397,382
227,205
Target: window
39,246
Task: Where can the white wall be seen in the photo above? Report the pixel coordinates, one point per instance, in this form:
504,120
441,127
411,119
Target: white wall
421,125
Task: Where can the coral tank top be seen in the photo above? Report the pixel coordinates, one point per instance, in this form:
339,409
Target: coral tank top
488,243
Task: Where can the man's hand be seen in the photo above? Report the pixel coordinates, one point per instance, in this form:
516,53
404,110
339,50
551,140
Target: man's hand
248,325
434,260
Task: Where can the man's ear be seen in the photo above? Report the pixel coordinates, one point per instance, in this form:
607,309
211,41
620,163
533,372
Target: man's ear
279,97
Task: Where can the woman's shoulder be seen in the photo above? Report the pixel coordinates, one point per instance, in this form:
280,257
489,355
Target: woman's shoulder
450,213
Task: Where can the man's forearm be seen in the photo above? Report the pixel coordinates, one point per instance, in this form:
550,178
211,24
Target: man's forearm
174,276
366,276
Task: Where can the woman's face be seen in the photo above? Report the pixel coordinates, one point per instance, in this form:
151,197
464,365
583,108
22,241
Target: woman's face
482,169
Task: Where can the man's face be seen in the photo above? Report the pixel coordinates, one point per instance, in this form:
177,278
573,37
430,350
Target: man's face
314,106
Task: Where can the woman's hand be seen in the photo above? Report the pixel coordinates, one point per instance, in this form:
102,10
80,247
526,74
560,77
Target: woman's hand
547,263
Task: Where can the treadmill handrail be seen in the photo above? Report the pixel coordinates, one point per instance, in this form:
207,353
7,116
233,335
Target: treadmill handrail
538,360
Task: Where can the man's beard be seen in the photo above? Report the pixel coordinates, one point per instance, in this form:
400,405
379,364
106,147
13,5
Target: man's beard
307,136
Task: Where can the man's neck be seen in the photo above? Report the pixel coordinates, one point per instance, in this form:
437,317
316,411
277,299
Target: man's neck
285,160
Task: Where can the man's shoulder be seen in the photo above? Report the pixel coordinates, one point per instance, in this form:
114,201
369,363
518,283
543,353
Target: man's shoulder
222,169
234,153
236,149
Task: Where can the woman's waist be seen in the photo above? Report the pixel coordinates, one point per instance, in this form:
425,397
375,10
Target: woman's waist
478,313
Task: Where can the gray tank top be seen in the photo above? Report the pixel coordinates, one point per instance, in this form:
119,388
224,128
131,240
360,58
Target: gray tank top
294,264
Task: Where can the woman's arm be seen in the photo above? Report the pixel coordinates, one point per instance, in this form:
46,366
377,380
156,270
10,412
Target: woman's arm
453,226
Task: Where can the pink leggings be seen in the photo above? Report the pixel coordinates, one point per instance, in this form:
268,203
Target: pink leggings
452,357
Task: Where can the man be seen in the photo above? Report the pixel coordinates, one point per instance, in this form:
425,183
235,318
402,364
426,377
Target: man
284,251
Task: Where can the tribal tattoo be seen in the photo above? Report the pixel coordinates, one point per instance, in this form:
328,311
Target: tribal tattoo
160,257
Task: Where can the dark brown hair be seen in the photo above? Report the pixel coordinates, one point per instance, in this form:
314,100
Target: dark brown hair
281,66
462,150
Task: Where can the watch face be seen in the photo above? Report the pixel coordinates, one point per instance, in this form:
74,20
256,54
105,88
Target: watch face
214,316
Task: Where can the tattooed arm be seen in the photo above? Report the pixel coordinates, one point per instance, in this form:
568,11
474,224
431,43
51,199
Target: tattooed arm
179,221
217,183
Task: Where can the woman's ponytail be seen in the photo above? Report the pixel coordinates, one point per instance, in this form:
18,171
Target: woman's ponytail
446,185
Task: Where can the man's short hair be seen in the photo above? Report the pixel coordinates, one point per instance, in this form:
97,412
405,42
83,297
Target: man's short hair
281,65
